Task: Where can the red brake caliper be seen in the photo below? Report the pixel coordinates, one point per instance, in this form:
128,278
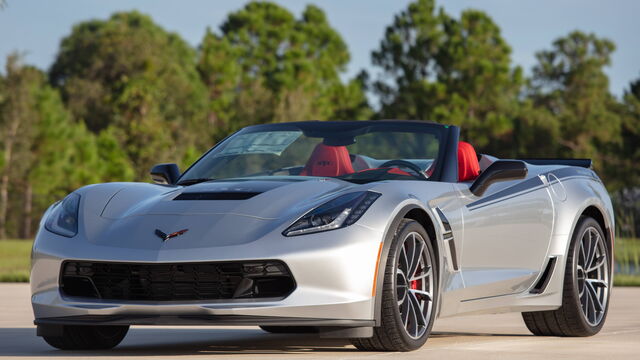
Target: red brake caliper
414,284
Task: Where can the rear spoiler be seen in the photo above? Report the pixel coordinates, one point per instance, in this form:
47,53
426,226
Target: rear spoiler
585,163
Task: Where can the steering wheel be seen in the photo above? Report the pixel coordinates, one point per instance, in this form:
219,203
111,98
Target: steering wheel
406,164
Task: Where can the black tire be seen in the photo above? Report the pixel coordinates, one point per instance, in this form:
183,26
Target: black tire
392,334
570,318
289,329
76,337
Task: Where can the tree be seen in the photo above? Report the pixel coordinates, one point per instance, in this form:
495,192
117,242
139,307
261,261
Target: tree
43,149
129,75
268,66
482,88
624,155
17,117
455,71
407,58
570,85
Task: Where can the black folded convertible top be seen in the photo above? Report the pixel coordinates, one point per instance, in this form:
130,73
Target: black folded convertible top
585,163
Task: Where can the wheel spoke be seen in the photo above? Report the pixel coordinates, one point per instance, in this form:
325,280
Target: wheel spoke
591,310
412,324
407,310
415,259
423,293
597,283
587,245
582,255
403,257
593,243
420,319
587,305
597,305
425,273
599,261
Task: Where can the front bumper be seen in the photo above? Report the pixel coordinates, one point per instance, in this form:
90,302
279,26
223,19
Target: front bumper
333,271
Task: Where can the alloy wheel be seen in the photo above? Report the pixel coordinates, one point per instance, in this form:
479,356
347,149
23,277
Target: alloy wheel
414,285
592,276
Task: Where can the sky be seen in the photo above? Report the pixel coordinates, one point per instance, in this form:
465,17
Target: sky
35,28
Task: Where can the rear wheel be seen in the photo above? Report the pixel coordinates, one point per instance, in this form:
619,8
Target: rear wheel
587,283
76,337
409,293
289,329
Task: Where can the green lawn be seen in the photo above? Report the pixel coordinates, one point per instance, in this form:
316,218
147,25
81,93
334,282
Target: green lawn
14,260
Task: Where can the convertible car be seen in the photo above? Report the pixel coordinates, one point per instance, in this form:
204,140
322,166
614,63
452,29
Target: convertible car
367,230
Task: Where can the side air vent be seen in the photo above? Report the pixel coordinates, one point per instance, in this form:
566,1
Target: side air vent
225,195
449,240
542,283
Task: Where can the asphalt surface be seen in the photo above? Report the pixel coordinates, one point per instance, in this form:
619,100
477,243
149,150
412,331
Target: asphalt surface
502,336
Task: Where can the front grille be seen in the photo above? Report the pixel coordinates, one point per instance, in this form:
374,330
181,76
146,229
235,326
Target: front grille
176,281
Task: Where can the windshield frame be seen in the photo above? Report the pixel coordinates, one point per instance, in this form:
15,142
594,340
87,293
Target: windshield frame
447,135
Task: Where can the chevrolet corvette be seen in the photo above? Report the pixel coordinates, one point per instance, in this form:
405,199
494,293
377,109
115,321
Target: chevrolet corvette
366,230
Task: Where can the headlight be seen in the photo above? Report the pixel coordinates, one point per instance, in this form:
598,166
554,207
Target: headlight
62,219
337,213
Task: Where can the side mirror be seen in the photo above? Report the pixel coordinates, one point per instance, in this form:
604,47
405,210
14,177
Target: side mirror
501,170
165,174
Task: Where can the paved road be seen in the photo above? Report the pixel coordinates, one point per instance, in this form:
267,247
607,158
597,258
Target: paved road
475,337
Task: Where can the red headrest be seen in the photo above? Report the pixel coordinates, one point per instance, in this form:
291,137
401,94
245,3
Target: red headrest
328,161
468,167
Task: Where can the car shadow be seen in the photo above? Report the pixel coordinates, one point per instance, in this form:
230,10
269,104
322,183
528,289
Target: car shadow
140,341
444,334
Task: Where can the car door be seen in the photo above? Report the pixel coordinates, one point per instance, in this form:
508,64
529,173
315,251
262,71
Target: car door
506,236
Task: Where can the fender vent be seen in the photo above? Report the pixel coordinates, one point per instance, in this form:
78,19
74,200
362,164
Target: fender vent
448,238
542,283
226,195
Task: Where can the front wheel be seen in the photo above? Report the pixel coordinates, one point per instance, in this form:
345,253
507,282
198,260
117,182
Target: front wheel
77,337
409,293
587,284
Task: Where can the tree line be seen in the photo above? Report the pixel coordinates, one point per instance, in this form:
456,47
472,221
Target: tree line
124,93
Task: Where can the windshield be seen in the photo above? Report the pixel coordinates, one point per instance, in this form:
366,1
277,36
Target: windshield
353,152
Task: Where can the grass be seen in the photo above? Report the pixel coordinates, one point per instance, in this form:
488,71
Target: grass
15,261
627,254
626,280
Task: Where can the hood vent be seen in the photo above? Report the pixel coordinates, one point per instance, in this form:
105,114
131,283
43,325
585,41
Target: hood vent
221,195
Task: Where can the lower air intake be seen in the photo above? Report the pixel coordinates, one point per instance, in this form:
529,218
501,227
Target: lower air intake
176,281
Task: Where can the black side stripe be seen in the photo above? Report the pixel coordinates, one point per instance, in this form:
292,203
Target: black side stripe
529,185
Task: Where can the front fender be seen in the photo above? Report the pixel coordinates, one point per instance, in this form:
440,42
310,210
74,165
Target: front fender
400,213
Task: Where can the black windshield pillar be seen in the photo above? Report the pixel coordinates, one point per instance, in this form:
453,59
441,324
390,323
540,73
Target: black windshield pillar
449,169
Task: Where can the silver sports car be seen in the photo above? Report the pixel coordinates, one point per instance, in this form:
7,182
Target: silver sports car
367,230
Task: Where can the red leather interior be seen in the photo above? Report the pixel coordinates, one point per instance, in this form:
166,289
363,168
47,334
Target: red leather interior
468,166
389,170
328,161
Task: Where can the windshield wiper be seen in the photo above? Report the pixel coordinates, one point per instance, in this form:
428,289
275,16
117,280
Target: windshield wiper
194,181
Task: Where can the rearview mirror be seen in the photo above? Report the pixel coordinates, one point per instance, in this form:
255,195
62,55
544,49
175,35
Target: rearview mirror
165,174
501,170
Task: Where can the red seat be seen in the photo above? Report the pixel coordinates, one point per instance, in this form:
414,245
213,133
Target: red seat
468,166
328,161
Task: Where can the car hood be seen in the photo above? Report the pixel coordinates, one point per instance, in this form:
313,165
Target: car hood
132,212
253,198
